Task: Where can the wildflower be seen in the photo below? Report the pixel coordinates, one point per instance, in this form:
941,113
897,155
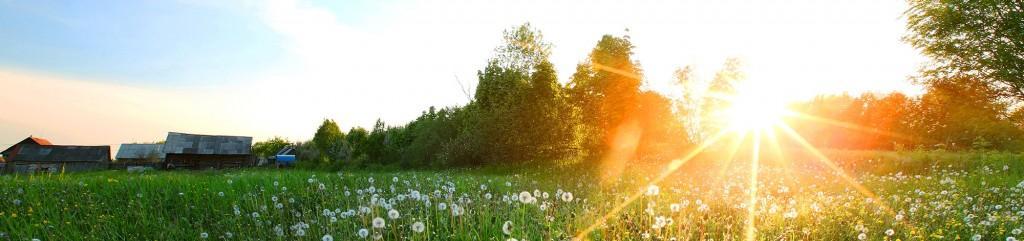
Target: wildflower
862,236
889,232
363,233
487,196
300,232
507,228
483,187
310,181
567,197
1016,231
204,235
378,222
229,234
976,237
456,210
418,227
16,202
278,230
393,214
327,237
1011,239
652,190
674,207
442,206
220,194
525,197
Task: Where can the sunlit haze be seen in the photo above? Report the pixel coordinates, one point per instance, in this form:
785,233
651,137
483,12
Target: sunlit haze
131,73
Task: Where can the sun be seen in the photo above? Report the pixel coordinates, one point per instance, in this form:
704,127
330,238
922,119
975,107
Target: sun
754,110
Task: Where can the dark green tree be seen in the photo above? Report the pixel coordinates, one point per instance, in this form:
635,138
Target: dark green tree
330,141
269,147
977,39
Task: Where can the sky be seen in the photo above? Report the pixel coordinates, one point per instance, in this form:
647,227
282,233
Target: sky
110,72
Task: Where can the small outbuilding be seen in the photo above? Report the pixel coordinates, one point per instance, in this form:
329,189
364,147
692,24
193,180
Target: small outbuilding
192,151
139,155
39,155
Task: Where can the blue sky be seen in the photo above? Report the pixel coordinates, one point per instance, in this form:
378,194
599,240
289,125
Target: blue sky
134,70
136,42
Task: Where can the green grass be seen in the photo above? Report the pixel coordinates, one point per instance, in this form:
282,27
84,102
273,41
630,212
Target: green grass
936,197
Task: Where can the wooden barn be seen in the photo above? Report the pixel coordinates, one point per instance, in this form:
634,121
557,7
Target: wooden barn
144,155
191,151
39,155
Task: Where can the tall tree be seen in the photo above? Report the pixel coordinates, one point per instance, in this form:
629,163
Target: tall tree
716,99
330,141
978,39
606,89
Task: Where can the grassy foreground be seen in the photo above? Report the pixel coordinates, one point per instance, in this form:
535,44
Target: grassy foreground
792,202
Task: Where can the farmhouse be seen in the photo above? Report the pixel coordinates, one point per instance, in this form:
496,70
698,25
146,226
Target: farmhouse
36,154
191,151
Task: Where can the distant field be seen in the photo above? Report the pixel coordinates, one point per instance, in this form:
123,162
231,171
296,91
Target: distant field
972,200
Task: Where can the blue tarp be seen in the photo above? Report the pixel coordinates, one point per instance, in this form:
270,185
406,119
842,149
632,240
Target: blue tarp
285,159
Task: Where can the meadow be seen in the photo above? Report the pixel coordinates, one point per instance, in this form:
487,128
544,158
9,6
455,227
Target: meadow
909,197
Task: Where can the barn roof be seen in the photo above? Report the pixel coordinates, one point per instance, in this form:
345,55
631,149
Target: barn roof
53,153
30,140
40,141
182,143
140,151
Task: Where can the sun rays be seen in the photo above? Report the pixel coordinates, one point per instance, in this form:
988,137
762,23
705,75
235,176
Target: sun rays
750,120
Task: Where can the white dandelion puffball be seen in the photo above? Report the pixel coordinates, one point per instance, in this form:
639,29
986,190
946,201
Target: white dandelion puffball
393,214
363,233
889,232
567,197
862,236
976,237
507,228
204,235
378,222
418,227
327,237
652,190
442,206
526,197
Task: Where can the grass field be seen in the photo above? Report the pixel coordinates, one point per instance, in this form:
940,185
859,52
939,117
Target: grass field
972,200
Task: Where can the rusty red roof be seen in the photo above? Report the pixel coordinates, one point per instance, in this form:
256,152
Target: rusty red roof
40,141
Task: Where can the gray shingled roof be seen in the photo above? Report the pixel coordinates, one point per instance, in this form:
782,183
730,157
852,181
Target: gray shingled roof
181,143
140,151
63,153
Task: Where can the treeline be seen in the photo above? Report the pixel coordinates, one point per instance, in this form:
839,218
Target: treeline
953,114
521,113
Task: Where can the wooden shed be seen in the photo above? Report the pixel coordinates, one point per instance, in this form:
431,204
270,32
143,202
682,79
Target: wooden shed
192,151
39,155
